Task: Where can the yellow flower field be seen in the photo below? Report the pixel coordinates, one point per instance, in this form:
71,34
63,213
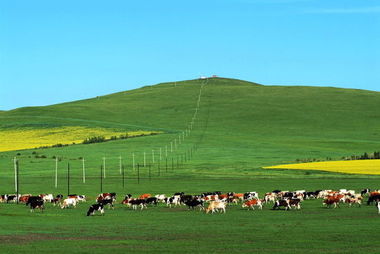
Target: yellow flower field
19,139
371,167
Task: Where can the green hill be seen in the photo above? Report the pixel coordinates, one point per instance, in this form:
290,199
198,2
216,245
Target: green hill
240,125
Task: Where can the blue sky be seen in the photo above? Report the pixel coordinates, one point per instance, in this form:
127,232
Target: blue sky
57,51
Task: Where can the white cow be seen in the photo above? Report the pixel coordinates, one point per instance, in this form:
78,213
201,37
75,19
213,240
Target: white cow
69,202
216,206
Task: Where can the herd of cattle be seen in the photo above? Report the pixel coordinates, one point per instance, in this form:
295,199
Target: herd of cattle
217,201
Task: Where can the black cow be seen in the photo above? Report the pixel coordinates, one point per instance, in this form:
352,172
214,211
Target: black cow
108,202
194,203
373,198
35,202
152,200
288,195
185,198
276,191
94,208
128,196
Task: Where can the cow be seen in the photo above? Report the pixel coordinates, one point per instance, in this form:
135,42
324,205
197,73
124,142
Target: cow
108,202
111,195
332,200
374,197
365,191
250,195
239,196
282,202
353,200
185,198
216,206
69,202
35,202
94,208
24,198
378,207
57,199
11,198
194,203
179,193
47,197
270,197
175,200
295,202
137,202
145,196
160,197
152,200
253,202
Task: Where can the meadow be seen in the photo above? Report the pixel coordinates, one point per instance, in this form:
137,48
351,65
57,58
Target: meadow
240,128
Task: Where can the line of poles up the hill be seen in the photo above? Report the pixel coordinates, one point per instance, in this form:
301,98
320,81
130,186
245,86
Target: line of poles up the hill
165,158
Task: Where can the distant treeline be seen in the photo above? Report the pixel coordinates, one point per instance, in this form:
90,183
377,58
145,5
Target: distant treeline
364,156
100,139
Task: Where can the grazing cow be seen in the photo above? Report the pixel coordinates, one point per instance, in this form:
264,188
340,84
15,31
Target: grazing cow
160,197
94,208
108,202
137,202
11,198
185,198
252,203
175,200
282,202
270,197
353,200
239,196
47,197
57,199
24,198
250,195
69,202
332,200
372,198
216,206
365,191
194,203
295,202
145,196
152,200
37,204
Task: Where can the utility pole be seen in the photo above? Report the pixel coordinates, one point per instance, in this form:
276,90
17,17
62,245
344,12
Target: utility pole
83,171
104,167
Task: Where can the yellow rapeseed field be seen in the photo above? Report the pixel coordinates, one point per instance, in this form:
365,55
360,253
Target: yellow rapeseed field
18,139
371,167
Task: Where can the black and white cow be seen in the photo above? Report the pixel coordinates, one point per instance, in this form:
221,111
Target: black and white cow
94,208
35,202
108,202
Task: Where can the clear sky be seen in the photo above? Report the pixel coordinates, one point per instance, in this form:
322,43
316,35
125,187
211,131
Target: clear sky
57,51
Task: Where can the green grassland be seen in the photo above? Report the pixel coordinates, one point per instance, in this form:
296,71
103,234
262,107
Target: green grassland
240,127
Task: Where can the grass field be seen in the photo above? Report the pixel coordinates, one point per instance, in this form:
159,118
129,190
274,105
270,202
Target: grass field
240,127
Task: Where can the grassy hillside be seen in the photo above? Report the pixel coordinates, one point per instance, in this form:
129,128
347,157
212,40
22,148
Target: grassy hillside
240,126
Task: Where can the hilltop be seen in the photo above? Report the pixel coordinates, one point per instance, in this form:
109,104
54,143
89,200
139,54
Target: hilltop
244,125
